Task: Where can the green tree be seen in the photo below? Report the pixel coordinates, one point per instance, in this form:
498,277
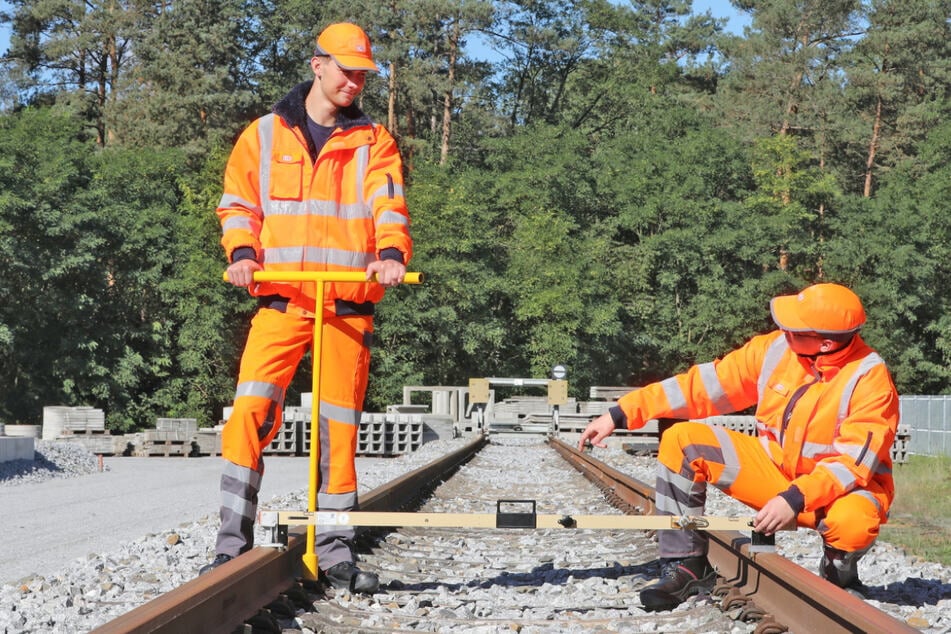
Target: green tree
185,91
894,249
898,84
51,257
784,75
455,325
89,245
211,317
73,51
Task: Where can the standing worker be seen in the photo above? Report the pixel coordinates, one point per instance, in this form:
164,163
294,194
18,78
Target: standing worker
313,186
826,417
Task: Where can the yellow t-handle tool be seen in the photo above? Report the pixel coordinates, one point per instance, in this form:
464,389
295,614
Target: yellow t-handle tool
320,277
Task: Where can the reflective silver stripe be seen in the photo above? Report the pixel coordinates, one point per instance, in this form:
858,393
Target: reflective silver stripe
340,414
847,449
243,475
865,365
869,460
868,496
714,389
236,503
315,207
842,474
813,449
331,546
676,398
266,140
260,388
764,441
771,360
363,160
230,200
236,222
679,486
318,255
291,208
337,501
731,462
354,212
384,192
393,218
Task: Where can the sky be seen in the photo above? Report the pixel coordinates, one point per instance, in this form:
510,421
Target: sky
723,9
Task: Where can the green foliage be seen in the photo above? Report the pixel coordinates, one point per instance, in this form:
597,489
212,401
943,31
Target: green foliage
625,188
918,519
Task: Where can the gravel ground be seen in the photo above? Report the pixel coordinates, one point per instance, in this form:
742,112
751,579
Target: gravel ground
158,525
61,506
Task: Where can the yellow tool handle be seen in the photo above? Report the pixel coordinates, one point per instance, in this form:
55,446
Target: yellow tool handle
322,276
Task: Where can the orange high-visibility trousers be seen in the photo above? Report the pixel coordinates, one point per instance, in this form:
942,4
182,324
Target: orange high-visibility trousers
275,346
276,343
693,454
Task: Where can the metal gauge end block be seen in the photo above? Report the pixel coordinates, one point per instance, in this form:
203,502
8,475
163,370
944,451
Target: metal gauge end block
761,543
515,519
269,521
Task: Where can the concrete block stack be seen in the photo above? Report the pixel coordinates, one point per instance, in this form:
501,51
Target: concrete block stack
81,425
171,437
15,447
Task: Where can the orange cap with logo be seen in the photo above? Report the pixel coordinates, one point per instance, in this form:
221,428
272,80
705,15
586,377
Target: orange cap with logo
823,308
348,45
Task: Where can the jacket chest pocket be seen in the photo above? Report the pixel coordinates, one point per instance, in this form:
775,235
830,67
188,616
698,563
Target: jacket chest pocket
287,177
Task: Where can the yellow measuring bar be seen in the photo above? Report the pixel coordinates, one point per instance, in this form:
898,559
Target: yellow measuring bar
499,520
320,277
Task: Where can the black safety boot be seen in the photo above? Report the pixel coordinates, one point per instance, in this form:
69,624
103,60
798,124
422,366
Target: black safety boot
680,578
219,559
842,568
346,576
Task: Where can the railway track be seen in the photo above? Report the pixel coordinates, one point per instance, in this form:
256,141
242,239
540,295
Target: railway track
489,580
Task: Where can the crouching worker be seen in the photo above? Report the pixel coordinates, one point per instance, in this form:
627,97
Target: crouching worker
826,416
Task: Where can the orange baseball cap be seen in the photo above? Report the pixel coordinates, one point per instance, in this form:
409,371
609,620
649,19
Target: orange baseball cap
348,45
824,308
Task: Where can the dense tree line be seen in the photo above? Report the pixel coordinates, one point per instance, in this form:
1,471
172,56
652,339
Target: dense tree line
621,188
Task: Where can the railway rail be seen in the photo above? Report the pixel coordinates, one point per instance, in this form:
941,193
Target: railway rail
543,580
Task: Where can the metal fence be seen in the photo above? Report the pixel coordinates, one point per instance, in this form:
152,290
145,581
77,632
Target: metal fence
927,419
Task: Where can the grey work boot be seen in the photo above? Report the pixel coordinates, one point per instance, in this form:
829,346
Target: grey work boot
219,560
680,579
346,576
841,567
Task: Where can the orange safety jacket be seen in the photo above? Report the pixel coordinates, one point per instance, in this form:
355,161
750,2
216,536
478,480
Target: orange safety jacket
294,210
828,424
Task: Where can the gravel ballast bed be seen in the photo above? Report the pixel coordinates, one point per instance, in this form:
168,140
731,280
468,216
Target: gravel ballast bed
91,590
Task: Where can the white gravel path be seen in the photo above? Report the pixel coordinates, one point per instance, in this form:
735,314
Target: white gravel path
52,517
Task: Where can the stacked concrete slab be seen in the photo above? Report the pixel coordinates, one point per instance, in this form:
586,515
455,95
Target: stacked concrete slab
16,447
171,437
81,425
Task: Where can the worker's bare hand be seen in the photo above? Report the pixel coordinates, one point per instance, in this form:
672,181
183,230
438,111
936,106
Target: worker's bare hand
388,272
596,431
241,273
776,515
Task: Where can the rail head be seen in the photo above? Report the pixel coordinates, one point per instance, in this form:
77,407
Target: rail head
219,601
